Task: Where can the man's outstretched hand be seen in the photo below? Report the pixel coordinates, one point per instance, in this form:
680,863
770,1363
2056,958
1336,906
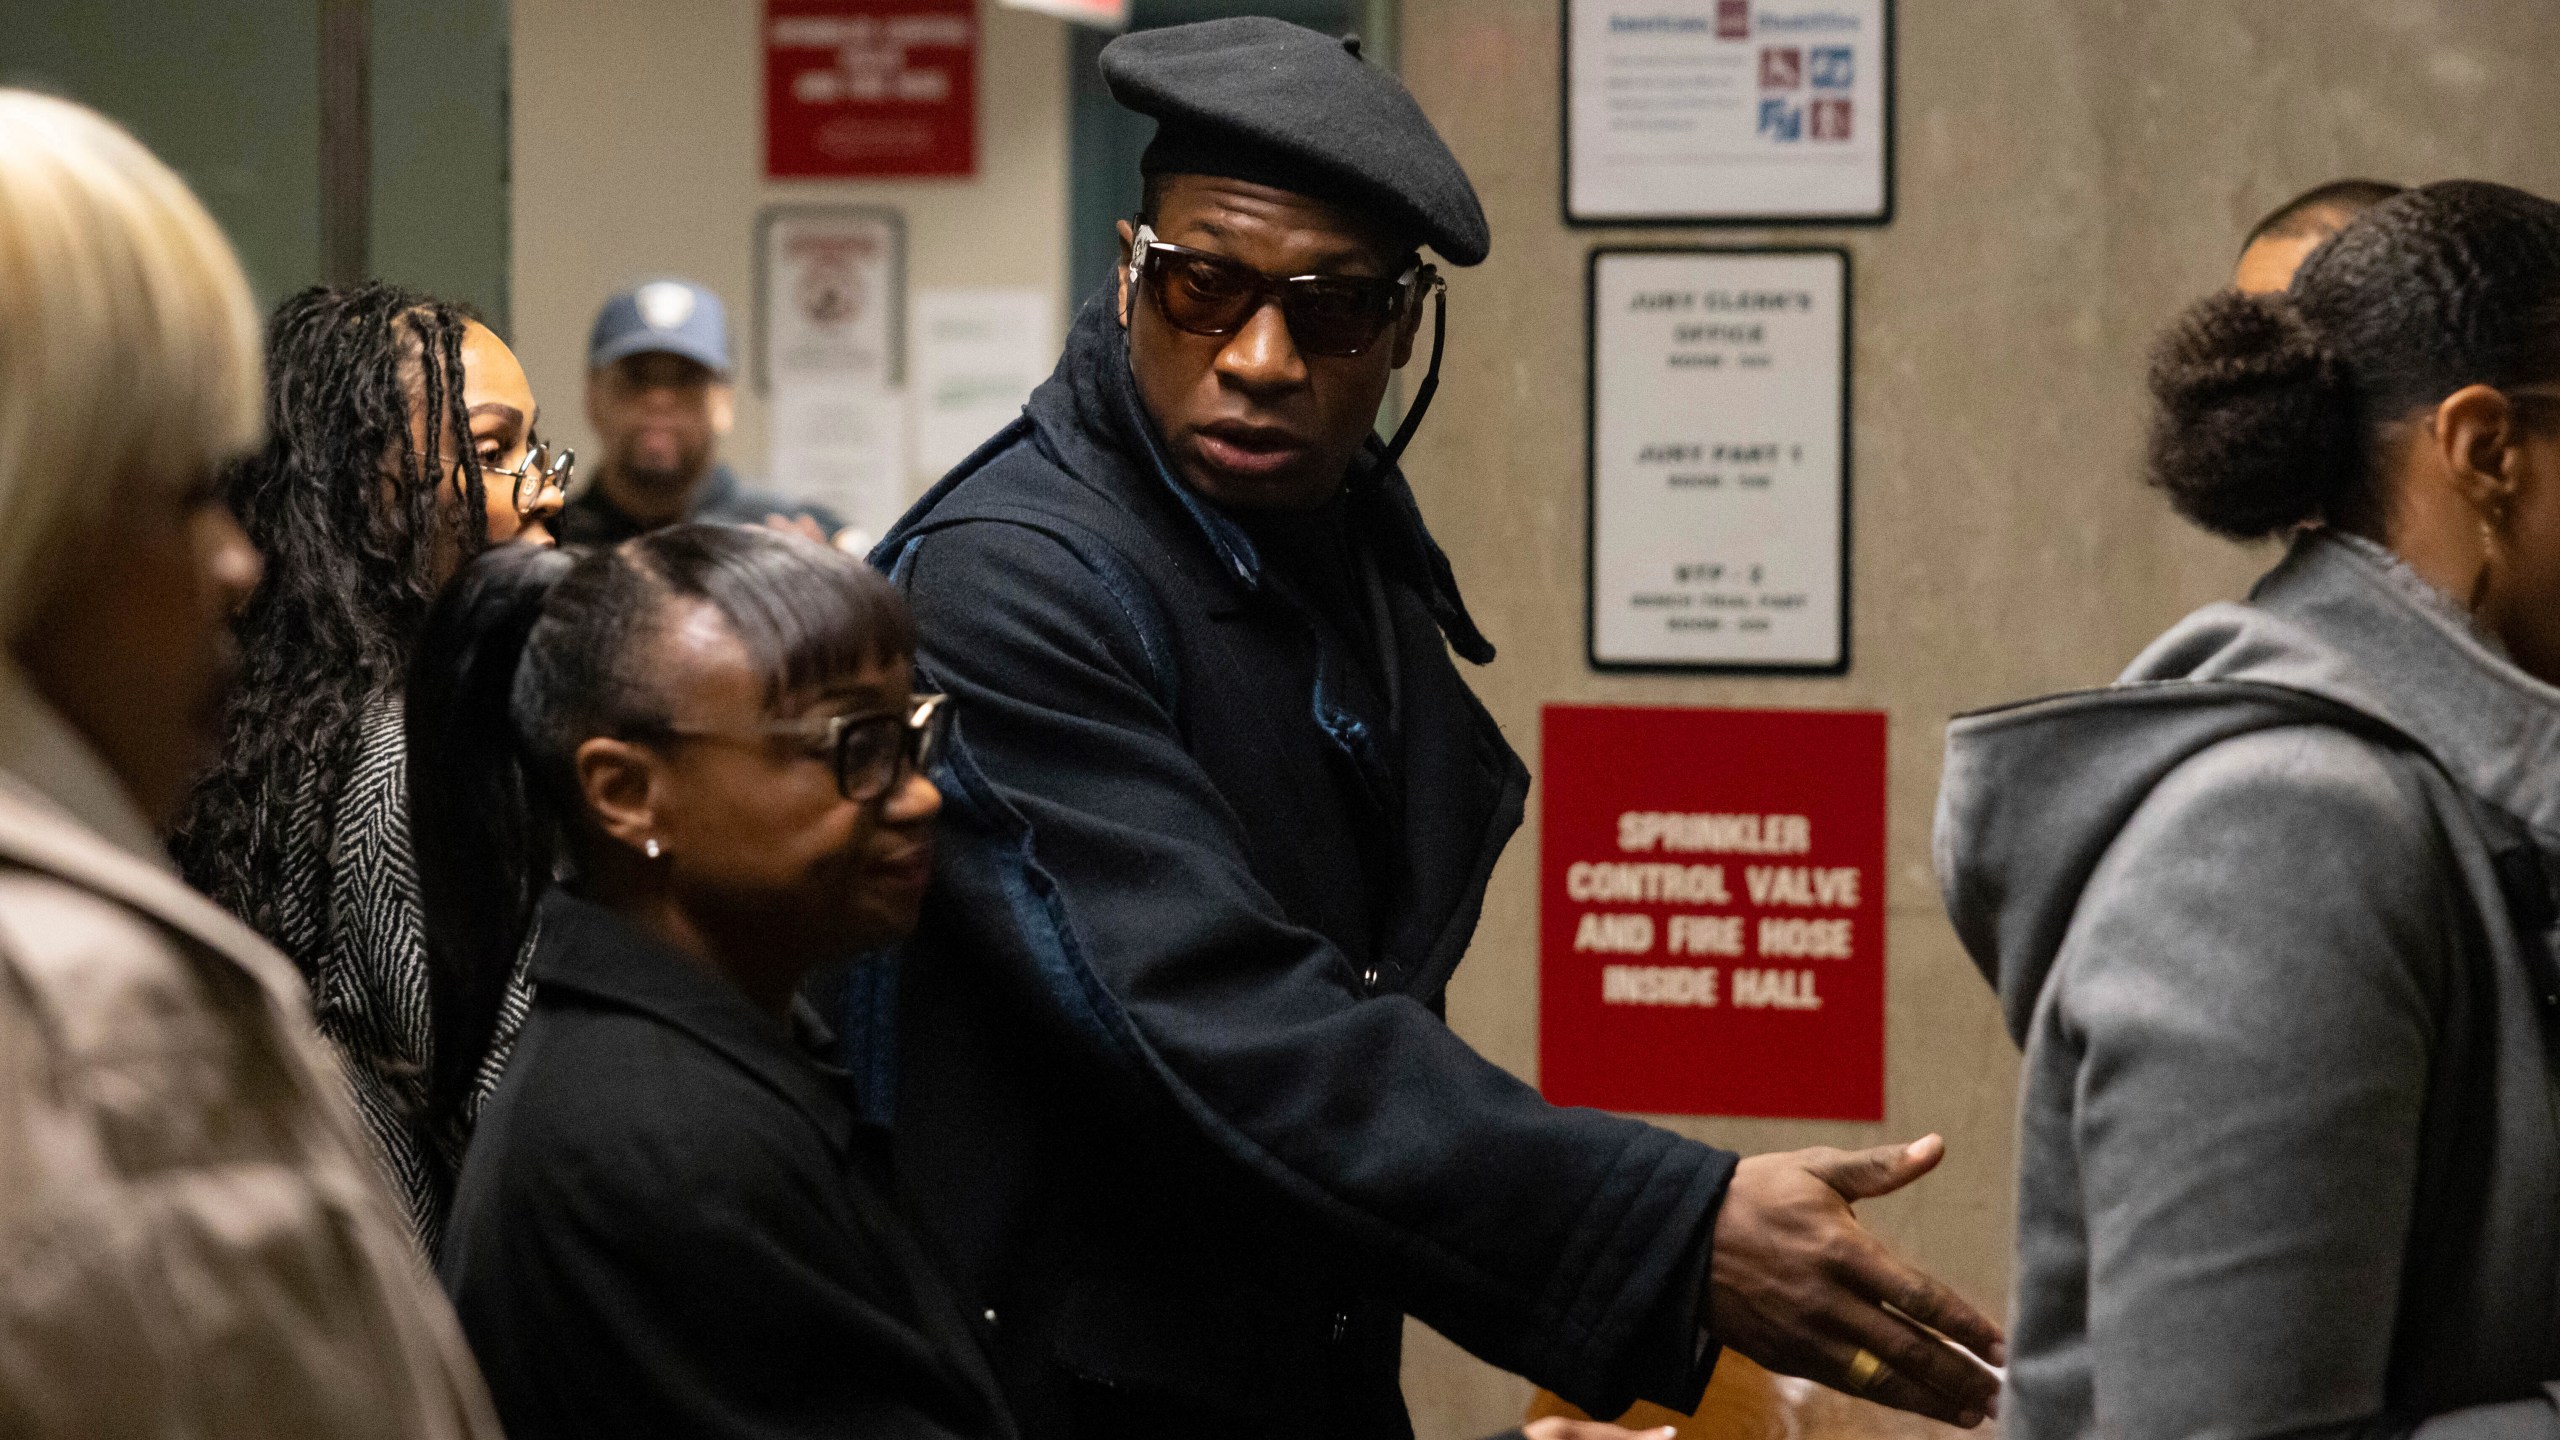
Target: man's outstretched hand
1800,1286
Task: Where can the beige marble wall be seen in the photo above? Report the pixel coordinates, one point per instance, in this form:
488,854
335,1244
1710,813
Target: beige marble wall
2070,172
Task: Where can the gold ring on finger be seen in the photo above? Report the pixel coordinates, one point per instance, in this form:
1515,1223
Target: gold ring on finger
1866,1371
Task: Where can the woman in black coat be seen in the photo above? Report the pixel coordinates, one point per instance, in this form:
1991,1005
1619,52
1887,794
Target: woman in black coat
671,1220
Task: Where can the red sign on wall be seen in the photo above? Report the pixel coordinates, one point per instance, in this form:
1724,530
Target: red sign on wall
1711,911
870,88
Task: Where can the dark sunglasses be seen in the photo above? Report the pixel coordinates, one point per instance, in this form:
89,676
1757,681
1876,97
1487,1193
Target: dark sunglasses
872,754
1204,294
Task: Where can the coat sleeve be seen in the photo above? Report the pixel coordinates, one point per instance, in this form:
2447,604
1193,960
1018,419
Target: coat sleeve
1566,1244
2247,996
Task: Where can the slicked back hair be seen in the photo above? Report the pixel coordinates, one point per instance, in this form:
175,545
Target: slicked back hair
531,653
2273,410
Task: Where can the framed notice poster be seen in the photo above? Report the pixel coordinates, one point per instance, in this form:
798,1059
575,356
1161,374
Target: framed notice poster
979,353
863,88
830,295
830,340
1706,112
1719,460
1711,911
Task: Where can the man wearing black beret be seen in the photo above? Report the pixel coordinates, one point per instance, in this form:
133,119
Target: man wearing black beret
1172,1087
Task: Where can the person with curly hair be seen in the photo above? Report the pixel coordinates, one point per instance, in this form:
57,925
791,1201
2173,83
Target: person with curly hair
401,441
2271,917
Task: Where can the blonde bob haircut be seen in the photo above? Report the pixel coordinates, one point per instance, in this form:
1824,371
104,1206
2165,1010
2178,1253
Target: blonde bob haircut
129,351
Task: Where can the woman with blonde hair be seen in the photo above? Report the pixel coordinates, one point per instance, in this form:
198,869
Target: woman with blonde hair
192,1238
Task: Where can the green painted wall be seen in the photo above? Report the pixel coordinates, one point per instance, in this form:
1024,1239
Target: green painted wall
228,92
440,149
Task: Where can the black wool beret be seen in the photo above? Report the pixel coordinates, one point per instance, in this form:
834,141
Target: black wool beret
1253,98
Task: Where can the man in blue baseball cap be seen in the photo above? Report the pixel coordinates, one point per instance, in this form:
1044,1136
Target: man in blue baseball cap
1173,1090
660,399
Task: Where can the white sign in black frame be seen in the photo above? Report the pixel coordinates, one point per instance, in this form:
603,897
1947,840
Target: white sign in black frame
1689,200
1717,522
890,303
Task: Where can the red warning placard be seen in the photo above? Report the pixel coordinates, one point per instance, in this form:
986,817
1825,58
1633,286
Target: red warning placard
1711,911
857,88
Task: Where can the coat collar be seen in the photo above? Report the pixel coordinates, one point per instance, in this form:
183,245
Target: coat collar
40,834
63,814
586,949
62,811
2495,728
1090,420
48,760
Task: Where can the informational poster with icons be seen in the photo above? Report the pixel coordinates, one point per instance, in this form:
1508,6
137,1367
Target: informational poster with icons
1719,459
1728,111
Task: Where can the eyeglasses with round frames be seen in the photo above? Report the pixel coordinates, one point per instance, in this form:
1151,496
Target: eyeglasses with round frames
541,468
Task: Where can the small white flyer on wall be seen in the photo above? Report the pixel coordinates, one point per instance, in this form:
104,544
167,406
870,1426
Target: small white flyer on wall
830,300
1719,459
1728,111
979,353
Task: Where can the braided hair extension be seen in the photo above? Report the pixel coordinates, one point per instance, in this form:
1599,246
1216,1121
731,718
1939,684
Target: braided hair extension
346,501
2273,410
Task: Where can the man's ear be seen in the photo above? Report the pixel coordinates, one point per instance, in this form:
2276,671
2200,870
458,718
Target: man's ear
597,381
724,407
1128,247
619,782
2479,438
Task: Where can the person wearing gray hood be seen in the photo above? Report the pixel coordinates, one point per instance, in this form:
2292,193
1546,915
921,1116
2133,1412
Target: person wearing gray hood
2271,916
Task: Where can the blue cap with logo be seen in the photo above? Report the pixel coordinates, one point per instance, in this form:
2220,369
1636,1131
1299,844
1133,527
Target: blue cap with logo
677,317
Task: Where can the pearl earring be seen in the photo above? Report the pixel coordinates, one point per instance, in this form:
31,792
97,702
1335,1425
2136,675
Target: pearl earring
651,849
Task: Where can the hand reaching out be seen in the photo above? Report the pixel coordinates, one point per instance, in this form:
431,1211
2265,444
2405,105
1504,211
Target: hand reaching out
800,525
1801,1287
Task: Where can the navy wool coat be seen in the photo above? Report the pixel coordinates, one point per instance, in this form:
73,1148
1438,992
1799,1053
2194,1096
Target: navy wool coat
1173,1090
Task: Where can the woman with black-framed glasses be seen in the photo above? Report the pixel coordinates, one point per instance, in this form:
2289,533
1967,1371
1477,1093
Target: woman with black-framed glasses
691,768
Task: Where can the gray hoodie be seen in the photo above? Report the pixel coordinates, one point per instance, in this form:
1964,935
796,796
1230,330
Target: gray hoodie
2289,1137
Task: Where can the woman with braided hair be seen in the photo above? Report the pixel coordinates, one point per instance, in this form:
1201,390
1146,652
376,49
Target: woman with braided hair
400,442
2271,916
